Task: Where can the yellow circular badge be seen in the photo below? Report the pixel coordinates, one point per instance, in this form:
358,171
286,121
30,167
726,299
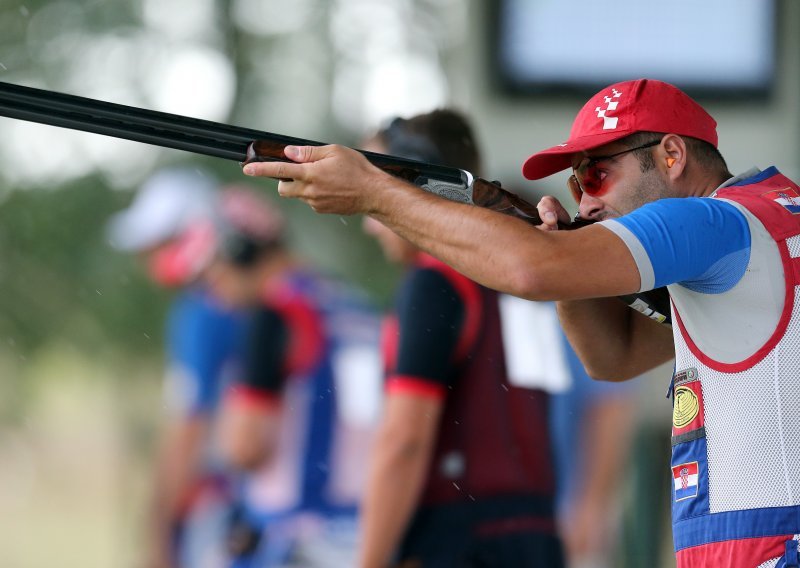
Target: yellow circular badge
686,407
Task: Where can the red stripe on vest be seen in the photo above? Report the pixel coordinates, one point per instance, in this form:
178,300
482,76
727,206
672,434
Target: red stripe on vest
763,351
248,397
544,525
744,553
405,384
306,335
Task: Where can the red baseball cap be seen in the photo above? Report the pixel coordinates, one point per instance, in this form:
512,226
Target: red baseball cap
622,109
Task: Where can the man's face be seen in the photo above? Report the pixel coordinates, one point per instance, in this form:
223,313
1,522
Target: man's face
233,285
167,266
395,247
624,187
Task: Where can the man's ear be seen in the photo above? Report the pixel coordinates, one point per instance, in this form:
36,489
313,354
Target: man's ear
673,153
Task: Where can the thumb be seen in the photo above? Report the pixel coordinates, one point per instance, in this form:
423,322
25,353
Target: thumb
302,154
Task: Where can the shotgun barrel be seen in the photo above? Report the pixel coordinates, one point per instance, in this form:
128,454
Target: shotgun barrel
172,130
238,143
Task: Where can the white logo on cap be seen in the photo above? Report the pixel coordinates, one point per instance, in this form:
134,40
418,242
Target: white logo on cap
609,122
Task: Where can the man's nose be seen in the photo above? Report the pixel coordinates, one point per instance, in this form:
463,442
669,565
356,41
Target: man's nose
590,207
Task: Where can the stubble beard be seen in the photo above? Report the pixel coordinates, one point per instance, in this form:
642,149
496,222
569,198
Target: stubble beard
651,187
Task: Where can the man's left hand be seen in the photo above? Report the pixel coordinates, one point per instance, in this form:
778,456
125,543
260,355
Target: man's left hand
330,179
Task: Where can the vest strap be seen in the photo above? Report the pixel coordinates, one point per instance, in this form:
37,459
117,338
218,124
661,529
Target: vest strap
791,557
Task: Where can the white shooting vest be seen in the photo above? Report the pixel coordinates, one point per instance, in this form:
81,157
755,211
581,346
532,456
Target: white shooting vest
736,426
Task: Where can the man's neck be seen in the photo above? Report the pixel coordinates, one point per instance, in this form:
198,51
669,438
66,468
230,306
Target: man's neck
708,184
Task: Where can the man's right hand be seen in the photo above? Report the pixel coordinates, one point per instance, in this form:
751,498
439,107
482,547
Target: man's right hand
551,212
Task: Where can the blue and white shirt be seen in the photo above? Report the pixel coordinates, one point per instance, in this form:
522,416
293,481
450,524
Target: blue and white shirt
715,257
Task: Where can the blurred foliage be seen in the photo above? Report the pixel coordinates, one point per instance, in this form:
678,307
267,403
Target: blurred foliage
59,278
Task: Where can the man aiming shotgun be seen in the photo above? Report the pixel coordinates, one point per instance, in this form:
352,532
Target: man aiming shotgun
645,164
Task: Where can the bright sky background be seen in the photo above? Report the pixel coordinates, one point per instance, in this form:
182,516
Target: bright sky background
351,63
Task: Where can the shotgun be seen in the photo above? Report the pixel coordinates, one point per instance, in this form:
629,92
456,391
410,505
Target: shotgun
243,145
246,145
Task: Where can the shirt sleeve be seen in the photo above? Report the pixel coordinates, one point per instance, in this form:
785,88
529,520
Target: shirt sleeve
430,315
201,339
265,369
701,243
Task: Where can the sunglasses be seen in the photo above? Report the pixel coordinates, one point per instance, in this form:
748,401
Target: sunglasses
588,178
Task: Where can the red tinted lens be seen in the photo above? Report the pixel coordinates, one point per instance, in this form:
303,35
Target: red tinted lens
588,177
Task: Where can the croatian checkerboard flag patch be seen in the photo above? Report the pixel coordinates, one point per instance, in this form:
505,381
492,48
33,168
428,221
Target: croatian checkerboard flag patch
685,478
786,198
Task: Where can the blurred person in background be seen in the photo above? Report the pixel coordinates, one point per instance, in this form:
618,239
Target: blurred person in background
298,419
461,472
591,425
170,225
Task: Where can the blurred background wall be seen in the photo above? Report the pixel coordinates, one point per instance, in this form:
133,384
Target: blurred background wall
754,128
80,326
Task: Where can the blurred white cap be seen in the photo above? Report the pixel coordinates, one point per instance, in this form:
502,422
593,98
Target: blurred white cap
165,206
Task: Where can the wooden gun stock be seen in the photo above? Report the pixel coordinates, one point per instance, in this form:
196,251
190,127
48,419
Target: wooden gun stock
491,195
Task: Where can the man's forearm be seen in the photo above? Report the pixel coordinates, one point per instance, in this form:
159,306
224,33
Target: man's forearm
176,471
466,237
503,253
398,466
393,489
613,341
